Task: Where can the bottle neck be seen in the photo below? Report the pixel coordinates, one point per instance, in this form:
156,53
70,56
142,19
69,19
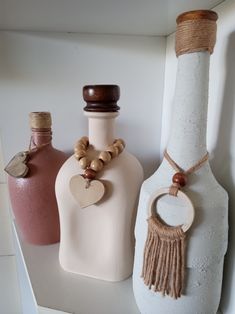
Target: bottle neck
41,137
187,142
101,128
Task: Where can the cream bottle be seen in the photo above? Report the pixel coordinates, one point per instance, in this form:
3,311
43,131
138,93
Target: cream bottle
207,239
98,241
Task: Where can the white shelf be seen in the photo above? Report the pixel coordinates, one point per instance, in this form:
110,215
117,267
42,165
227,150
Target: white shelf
48,289
149,17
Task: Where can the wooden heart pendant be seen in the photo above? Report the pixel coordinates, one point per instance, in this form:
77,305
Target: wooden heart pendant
86,193
17,167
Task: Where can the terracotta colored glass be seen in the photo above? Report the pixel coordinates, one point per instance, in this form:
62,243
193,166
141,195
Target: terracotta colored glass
33,197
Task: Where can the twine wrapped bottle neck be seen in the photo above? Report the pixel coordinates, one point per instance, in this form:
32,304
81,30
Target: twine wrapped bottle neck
40,137
40,123
196,31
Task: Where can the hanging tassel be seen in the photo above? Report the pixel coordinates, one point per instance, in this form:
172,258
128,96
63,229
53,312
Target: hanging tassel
164,258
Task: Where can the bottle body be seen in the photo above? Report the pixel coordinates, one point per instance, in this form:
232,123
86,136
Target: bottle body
33,197
98,241
207,239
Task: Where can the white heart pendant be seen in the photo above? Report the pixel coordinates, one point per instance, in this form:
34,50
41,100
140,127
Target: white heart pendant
17,166
86,194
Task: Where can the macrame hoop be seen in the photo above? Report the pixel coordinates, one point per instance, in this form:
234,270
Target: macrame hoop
164,252
166,191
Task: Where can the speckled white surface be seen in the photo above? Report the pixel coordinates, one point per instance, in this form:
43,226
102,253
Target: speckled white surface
207,242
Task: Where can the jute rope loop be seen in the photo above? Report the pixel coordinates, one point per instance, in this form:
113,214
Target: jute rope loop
195,35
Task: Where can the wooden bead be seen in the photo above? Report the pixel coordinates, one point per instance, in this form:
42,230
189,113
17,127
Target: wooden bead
89,174
83,162
119,140
119,146
84,140
96,165
180,178
80,146
113,150
105,157
80,153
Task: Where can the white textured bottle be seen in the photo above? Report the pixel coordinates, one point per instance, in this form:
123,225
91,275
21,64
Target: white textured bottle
207,239
98,241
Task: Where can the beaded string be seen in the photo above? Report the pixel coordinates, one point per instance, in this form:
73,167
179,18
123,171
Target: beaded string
180,177
92,167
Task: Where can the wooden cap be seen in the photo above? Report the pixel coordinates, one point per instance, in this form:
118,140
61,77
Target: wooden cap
197,15
40,120
101,98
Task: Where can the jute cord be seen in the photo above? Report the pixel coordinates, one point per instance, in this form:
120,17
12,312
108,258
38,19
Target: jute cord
40,120
175,186
195,35
33,147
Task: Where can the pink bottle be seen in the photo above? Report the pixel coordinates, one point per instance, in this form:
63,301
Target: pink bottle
33,196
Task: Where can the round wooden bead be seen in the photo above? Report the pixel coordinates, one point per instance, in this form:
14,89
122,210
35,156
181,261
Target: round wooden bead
96,165
80,153
119,146
89,174
105,157
113,150
180,178
84,140
83,162
119,140
80,146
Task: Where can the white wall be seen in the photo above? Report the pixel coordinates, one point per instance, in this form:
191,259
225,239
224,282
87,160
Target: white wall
46,71
221,122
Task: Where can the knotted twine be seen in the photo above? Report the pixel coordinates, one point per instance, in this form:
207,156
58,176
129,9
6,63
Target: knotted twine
164,253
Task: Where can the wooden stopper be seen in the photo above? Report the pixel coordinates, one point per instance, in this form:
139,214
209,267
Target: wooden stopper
196,31
101,98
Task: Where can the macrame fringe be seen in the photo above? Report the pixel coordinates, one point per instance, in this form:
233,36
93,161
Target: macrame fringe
164,258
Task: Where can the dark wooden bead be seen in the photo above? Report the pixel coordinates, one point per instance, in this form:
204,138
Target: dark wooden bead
180,178
89,174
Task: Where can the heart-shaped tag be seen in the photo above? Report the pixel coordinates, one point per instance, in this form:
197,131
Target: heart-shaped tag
17,166
84,193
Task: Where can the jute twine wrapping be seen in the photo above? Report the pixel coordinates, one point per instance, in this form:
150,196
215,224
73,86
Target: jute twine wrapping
40,120
195,35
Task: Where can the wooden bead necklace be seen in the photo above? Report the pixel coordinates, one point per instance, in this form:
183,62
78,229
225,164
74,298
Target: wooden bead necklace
85,188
